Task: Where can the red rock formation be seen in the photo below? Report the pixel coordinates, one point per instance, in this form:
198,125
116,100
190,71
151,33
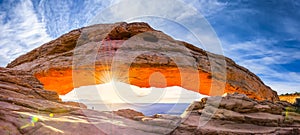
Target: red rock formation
25,108
291,98
128,113
95,54
22,98
238,114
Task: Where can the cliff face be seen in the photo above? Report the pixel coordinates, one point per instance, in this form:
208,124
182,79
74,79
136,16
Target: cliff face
290,97
136,54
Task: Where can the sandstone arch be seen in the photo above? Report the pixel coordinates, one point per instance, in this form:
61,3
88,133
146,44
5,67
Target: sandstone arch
53,63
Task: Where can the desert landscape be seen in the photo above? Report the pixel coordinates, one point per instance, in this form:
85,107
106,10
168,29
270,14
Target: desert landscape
31,84
149,67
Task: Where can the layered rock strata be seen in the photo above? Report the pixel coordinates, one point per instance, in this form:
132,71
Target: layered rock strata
25,108
239,114
137,54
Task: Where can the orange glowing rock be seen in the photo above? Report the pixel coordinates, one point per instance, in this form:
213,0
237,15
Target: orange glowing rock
291,98
139,55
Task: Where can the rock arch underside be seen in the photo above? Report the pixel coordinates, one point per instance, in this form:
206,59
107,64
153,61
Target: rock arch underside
132,53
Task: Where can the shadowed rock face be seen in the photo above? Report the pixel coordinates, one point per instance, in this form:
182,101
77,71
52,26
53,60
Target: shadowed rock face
136,54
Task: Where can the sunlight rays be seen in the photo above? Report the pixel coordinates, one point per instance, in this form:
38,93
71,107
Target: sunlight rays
107,52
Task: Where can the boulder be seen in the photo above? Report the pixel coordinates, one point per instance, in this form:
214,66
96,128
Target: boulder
128,113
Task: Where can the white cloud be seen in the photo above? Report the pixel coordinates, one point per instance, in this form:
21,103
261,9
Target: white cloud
285,87
291,26
64,15
207,7
56,14
113,2
260,51
264,58
21,33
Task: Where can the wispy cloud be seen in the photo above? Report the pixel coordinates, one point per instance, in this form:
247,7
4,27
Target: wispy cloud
263,37
207,7
20,31
291,27
264,59
27,24
64,15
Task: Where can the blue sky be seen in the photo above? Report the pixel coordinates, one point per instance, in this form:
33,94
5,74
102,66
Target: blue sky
263,36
